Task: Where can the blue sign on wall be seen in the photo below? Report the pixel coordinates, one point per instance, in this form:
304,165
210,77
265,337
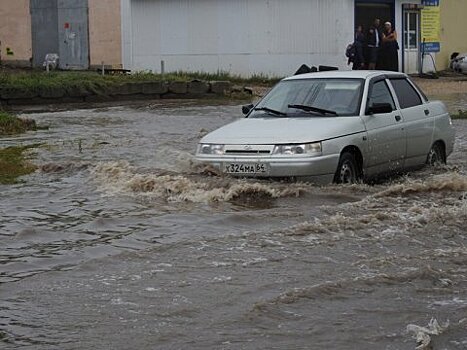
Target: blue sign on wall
431,47
430,2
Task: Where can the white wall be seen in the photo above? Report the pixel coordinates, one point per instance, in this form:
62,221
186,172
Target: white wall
273,37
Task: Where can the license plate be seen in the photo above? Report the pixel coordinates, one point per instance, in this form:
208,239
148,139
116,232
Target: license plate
246,168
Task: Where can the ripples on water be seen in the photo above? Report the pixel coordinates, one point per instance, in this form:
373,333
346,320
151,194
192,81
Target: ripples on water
120,240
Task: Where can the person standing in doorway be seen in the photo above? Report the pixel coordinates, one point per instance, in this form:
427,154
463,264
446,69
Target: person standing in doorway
389,48
359,42
374,43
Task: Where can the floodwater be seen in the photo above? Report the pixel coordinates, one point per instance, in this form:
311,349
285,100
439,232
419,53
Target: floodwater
121,241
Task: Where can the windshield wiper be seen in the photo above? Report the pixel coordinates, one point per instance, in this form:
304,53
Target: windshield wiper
271,111
313,109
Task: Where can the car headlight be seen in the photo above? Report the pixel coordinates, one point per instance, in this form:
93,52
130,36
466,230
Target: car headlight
313,149
210,149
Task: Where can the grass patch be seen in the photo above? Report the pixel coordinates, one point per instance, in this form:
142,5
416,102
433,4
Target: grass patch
460,115
33,81
13,164
10,124
29,81
255,79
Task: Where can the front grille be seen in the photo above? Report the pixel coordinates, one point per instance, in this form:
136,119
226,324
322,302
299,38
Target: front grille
247,152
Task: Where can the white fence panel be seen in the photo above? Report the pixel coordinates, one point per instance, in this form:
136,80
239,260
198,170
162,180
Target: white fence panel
272,37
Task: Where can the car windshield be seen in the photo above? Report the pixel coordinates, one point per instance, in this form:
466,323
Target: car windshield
311,97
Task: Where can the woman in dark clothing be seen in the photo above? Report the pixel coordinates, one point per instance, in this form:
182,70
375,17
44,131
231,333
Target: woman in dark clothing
389,55
359,60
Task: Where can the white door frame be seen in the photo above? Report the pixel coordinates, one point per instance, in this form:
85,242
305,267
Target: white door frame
411,41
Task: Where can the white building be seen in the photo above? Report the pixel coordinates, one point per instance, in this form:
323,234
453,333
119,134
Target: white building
272,37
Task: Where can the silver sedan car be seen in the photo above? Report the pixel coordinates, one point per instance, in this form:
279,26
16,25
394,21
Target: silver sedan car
337,126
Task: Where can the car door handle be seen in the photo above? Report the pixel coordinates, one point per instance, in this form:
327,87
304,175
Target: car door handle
398,118
427,112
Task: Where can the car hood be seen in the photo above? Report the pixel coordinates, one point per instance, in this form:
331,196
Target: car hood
284,130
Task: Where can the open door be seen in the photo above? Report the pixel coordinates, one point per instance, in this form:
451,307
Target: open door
367,11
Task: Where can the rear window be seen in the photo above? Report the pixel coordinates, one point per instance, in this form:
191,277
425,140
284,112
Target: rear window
420,91
406,94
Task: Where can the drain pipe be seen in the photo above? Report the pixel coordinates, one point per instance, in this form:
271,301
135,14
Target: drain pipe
422,59
433,75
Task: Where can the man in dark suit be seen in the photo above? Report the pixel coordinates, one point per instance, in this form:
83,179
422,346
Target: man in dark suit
374,43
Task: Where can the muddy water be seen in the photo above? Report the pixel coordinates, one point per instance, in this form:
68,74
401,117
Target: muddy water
121,241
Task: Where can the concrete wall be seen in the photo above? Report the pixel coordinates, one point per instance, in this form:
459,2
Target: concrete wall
15,31
453,27
272,37
105,37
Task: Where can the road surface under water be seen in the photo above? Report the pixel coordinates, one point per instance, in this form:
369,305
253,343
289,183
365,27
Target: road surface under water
121,241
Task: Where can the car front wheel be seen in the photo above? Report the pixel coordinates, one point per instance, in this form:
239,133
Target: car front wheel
347,170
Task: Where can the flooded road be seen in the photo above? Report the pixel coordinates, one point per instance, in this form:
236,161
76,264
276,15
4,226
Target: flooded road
121,241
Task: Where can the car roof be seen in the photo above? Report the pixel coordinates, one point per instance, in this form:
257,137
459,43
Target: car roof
355,74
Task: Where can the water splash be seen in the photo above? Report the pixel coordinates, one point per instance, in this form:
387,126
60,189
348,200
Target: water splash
69,167
423,334
445,182
121,177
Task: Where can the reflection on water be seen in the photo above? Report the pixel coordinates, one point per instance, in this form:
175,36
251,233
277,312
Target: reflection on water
121,240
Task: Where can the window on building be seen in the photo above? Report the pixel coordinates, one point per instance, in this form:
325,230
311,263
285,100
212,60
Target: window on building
411,30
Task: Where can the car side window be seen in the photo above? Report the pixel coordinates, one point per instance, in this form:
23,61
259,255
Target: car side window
406,94
380,94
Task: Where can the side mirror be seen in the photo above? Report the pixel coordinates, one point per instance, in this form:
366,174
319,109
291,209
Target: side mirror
247,108
380,108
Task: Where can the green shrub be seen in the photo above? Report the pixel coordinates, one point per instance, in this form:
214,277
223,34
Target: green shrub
9,124
93,81
13,164
460,115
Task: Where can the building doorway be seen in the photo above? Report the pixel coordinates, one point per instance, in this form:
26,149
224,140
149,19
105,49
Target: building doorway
44,24
367,11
